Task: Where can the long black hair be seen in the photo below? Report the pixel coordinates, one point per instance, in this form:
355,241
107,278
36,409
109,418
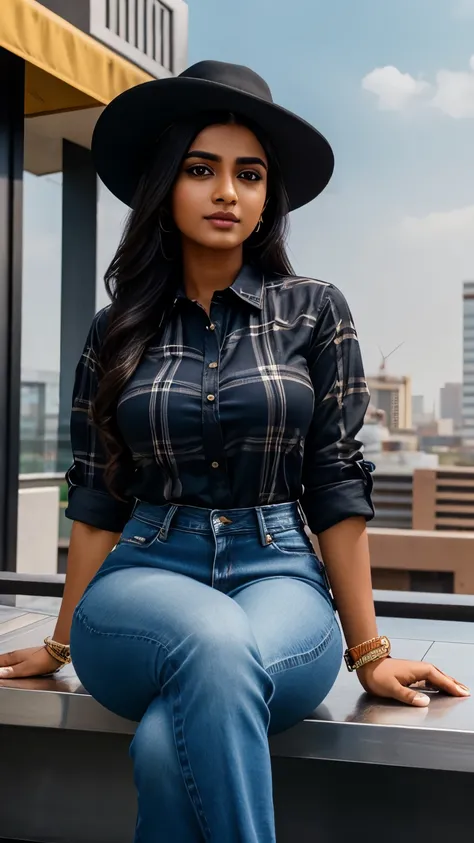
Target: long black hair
145,271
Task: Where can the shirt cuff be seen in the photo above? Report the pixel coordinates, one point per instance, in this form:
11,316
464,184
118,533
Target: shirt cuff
329,505
97,509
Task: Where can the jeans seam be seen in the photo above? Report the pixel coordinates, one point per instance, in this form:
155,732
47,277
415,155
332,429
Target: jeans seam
180,742
303,658
83,619
181,749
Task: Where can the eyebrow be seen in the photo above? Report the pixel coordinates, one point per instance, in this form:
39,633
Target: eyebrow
211,156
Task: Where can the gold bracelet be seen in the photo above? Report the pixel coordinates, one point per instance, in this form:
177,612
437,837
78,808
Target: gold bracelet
60,652
368,651
374,656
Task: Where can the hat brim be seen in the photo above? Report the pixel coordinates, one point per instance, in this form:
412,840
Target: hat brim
130,125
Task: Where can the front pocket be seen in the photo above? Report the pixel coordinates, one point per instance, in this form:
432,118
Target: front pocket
139,533
293,542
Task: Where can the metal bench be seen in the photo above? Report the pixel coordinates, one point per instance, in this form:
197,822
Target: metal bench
357,763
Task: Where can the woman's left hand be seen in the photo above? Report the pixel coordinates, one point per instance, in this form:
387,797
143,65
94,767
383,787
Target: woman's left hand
392,678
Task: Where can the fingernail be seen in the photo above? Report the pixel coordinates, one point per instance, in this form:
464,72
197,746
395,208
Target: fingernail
464,691
422,699
5,672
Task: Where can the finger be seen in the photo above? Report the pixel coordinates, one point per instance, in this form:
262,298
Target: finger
451,677
445,683
8,659
464,687
16,671
409,696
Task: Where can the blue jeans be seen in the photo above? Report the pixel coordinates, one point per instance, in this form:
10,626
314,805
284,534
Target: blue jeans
212,629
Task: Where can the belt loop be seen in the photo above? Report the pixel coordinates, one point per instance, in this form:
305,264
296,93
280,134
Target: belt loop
265,537
163,534
134,507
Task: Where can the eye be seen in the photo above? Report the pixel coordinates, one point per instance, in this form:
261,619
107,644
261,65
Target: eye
199,170
249,175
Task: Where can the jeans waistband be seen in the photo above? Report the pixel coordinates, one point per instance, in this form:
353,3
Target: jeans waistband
266,520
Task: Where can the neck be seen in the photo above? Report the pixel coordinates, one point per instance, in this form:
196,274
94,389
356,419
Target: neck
207,270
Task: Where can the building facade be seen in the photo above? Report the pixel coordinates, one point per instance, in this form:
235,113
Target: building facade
61,63
418,409
468,363
451,403
393,396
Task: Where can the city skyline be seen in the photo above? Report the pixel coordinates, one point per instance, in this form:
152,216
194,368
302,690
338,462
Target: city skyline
392,88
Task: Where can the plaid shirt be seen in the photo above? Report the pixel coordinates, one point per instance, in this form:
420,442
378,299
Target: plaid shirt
260,403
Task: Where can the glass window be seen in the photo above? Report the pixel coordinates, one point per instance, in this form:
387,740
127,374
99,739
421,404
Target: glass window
40,488
111,215
41,318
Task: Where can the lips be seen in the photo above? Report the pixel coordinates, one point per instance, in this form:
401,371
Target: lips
225,217
223,220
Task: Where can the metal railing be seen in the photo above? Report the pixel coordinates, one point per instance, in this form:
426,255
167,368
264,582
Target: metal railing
151,33
41,479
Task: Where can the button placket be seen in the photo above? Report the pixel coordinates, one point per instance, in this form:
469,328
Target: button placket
212,433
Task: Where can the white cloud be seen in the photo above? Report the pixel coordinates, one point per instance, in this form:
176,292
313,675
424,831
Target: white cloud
455,92
394,89
455,227
452,92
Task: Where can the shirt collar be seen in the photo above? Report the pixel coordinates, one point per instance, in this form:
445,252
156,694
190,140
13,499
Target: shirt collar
248,286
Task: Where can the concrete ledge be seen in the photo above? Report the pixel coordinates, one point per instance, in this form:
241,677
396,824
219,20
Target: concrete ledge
425,550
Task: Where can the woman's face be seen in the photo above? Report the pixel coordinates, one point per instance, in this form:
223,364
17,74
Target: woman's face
221,189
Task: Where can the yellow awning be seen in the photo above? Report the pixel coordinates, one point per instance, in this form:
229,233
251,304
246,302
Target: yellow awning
66,69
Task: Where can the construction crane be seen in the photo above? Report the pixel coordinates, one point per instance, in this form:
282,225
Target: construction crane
382,367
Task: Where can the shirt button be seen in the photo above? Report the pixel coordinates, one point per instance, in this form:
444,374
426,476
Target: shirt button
215,464
213,365
212,327
211,397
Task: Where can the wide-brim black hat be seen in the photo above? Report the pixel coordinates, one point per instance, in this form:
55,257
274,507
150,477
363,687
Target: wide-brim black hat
129,127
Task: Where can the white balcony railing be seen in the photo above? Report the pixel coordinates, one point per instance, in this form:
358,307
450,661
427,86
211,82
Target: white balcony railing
151,33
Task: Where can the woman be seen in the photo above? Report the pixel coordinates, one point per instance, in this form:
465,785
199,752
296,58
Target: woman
215,411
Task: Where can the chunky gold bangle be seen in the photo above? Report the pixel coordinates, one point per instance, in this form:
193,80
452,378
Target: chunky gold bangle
369,651
60,652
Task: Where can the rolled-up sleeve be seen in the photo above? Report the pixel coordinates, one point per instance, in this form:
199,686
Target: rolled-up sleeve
337,480
89,500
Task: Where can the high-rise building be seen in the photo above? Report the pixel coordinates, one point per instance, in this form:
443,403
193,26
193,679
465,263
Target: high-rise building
468,363
392,395
451,403
418,409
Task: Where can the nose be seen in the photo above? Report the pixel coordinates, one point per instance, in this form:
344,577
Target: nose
224,190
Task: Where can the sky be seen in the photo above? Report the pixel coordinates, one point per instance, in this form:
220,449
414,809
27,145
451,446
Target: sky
391,85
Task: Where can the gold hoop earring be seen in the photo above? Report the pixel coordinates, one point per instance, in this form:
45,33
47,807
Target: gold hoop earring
259,224
160,223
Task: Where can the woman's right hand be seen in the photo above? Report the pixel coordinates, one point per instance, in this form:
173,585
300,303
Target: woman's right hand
33,661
